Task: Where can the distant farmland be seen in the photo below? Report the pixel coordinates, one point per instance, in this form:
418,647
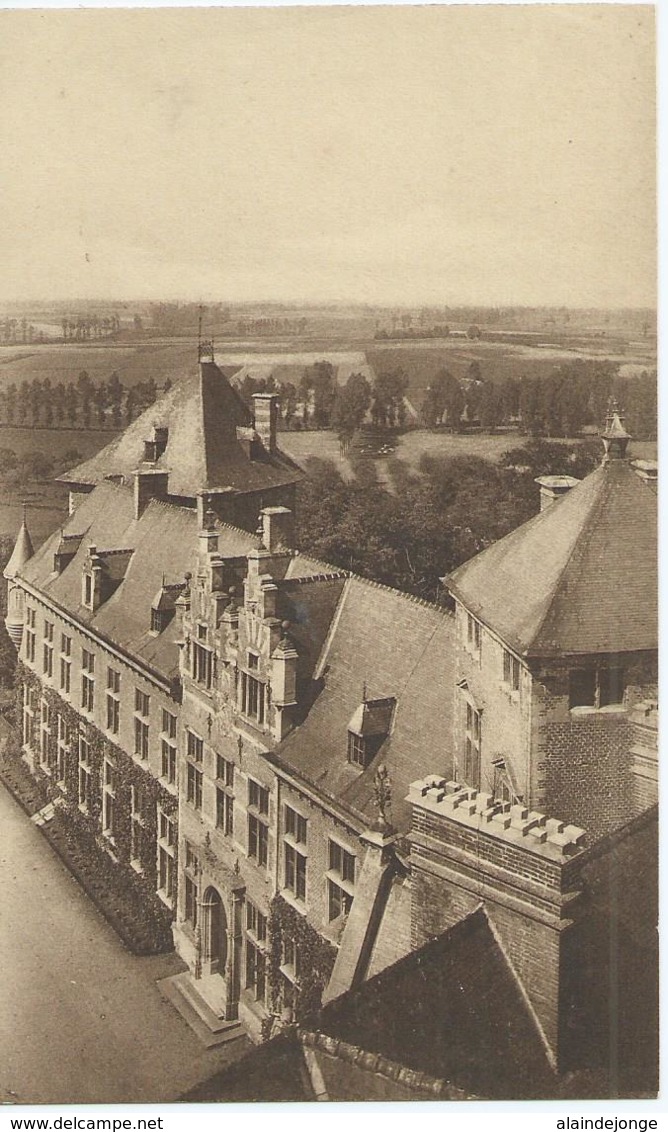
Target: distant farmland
497,360
132,363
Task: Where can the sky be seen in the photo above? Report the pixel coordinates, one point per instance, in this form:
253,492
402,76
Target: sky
391,155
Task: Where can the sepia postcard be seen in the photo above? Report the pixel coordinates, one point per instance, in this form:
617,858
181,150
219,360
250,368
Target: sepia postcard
329,633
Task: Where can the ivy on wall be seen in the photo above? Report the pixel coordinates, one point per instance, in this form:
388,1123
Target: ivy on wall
316,958
128,777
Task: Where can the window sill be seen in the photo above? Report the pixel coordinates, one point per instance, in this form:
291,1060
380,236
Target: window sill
168,901
137,867
513,694
289,974
584,710
168,785
294,901
345,885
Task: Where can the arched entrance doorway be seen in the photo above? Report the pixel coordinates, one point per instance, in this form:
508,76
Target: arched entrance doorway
214,932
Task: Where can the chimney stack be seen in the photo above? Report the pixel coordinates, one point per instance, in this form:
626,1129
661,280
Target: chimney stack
278,528
553,487
149,484
265,412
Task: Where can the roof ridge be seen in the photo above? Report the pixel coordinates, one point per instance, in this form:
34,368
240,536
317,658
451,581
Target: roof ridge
306,579
399,593
329,568
238,530
414,1079
586,532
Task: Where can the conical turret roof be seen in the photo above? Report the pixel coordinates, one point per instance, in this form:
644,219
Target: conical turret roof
22,552
578,578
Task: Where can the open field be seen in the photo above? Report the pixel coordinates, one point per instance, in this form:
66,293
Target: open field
163,359
55,442
132,362
411,446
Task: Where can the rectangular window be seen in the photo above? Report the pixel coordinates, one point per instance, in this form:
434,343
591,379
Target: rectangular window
258,796
295,872
191,885
30,635
252,697
109,799
596,688
194,782
47,656
356,749
168,746
473,633
141,738
137,827
610,686
195,775
29,709
340,880
295,825
142,704
582,687
84,774
472,746
291,959
113,700
87,680
45,735
202,662
258,840
511,671
62,750
225,795
256,959
194,747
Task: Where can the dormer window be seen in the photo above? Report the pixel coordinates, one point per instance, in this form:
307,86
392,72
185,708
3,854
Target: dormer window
357,749
160,619
253,661
368,729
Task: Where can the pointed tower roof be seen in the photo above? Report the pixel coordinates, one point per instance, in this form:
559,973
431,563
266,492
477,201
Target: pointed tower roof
580,577
207,442
23,550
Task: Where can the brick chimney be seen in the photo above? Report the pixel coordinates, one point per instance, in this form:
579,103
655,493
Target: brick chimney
278,528
149,484
265,412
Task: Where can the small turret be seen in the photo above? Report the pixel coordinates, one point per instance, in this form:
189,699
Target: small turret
615,437
22,552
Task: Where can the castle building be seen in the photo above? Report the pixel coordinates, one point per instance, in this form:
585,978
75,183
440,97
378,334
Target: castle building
318,777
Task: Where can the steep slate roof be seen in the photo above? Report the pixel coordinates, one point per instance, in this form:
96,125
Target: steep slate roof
162,541
23,550
452,1010
578,578
400,647
201,412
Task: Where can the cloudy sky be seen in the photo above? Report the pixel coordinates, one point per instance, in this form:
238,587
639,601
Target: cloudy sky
389,155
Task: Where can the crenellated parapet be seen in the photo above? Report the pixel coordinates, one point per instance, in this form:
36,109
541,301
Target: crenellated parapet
514,824
469,848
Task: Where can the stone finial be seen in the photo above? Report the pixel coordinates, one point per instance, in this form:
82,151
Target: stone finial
382,790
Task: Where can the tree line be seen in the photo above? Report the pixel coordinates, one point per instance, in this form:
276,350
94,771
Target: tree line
76,404
560,404
425,523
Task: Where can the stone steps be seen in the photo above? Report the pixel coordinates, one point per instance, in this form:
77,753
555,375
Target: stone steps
212,1030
